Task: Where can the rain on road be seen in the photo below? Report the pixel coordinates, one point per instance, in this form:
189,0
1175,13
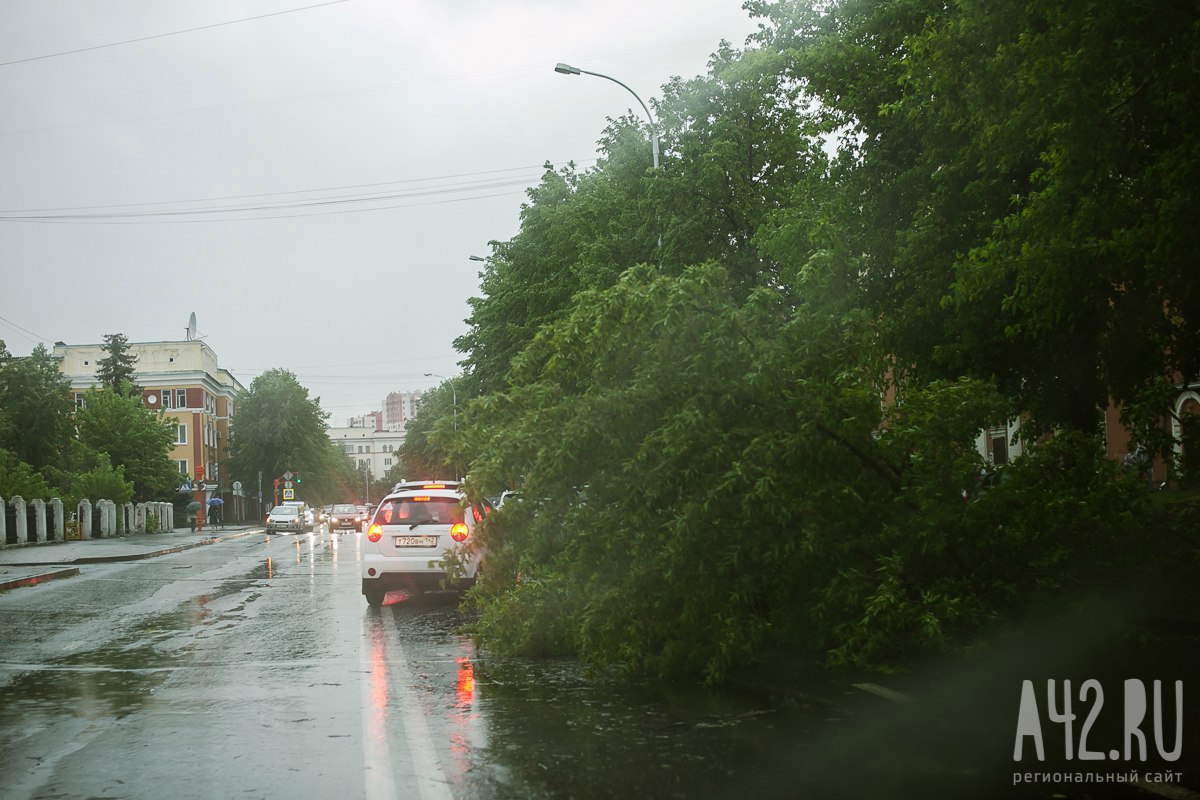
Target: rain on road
253,668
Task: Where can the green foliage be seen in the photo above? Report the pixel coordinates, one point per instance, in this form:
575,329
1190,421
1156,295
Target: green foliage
116,370
1021,183
102,482
708,474
18,478
679,462
132,438
279,428
35,408
429,434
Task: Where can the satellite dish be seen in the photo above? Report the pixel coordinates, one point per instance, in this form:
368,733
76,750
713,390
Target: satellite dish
191,328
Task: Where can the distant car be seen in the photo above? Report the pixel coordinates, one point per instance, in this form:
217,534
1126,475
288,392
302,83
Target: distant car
410,534
286,519
345,516
306,514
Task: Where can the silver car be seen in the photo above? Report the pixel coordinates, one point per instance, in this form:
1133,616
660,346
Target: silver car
286,519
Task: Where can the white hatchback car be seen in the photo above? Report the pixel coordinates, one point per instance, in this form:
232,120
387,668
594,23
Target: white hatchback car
410,535
286,519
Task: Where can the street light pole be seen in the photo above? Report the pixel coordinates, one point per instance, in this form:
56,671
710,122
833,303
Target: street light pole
567,69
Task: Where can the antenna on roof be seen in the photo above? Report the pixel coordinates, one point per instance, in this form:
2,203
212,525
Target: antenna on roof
191,328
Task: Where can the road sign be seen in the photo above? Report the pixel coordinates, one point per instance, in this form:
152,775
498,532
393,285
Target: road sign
289,494
287,476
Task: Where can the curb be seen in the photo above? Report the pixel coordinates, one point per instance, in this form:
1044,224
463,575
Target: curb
135,556
154,553
33,580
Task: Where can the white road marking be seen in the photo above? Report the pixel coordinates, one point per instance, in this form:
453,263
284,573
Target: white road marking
387,685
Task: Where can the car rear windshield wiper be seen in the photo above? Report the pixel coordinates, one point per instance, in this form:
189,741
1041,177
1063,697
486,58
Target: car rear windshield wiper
421,522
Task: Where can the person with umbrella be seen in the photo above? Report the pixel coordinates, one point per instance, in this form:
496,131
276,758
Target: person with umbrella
193,508
214,506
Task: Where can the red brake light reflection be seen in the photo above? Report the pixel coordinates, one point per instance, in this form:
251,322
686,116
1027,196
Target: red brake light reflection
375,532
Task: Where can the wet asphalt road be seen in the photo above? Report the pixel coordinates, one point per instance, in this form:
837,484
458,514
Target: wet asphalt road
253,668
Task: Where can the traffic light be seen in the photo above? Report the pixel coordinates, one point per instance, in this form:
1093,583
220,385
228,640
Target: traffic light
277,483
297,477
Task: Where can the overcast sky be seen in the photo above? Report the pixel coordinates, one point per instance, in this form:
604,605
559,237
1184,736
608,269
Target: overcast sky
214,156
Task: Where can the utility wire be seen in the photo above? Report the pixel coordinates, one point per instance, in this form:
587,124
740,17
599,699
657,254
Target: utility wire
153,218
38,338
171,33
277,194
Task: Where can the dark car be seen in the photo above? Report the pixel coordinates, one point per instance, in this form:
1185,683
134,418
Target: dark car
345,517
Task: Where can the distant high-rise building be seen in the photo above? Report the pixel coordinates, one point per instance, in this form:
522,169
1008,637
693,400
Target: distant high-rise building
398,408
372,421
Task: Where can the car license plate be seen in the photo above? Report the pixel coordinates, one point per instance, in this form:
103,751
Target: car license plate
416,541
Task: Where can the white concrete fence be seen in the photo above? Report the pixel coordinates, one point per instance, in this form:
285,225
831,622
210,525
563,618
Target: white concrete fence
108,520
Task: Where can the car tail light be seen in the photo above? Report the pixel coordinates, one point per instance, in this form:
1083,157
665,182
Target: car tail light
375,533
458,532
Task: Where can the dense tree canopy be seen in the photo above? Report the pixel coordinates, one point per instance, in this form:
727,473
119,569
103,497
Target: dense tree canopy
988,210
35,408
281,429
1025,179
131,437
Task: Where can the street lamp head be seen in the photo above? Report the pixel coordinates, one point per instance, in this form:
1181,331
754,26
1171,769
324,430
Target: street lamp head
476,258
566,69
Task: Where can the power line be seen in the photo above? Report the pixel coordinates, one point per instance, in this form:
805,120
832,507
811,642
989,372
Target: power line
38,338
171,33
100,220
277,194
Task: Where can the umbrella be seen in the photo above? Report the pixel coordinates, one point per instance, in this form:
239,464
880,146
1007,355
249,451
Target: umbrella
194,505
216,501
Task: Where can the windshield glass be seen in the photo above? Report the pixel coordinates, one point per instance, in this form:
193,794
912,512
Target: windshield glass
345,510
419,508
284,511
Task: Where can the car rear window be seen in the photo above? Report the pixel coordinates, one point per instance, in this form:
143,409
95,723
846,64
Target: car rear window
345,510
419,508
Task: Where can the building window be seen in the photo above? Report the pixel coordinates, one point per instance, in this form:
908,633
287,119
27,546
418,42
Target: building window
181,434
182,465
80,401
999,446
181,398
166,398
387,462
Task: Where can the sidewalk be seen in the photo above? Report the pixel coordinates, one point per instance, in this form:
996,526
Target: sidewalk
38,563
